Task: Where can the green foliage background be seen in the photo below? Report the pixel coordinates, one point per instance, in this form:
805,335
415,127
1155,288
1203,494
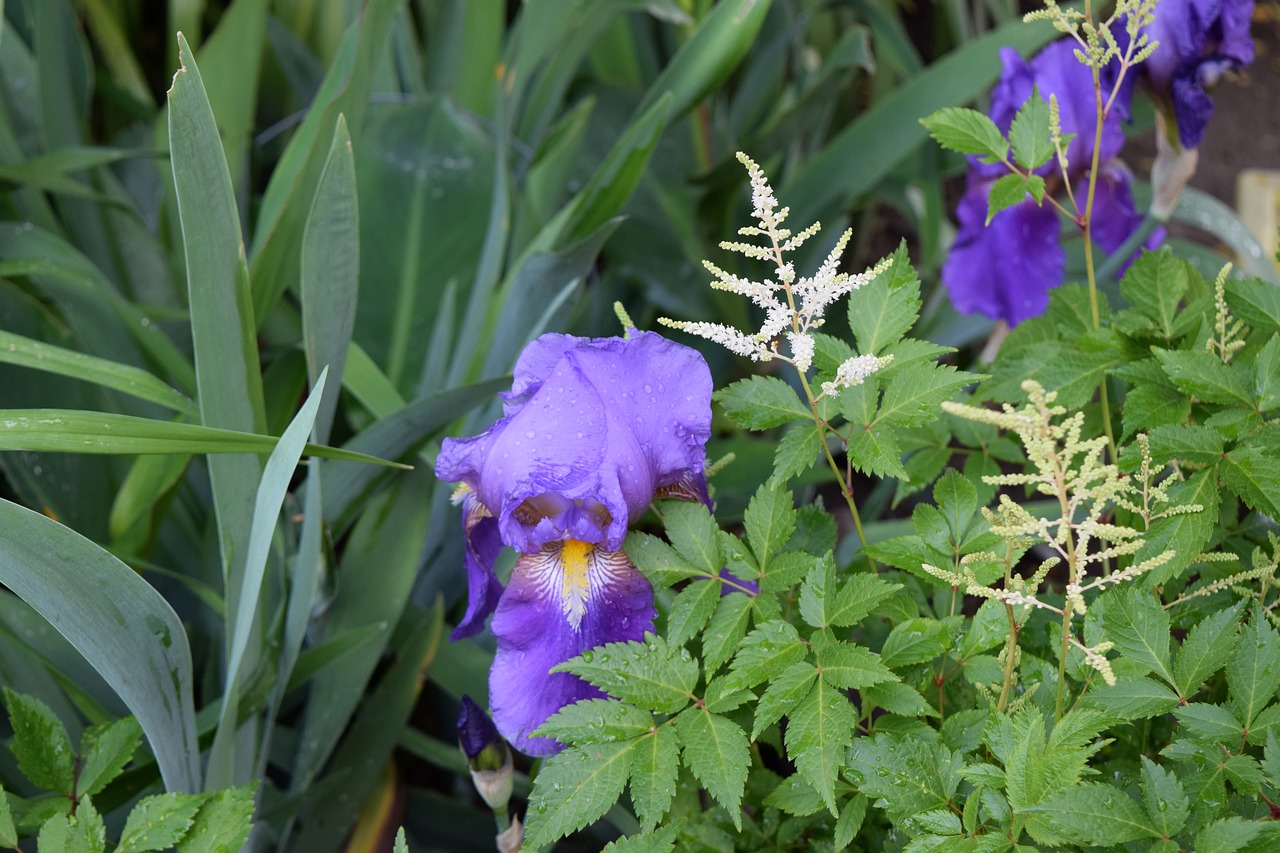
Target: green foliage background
339,226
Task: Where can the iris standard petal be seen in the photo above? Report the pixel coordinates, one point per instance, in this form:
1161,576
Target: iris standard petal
563,600
1004,270
594,428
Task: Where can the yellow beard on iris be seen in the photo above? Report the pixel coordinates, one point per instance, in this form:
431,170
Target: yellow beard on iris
576,582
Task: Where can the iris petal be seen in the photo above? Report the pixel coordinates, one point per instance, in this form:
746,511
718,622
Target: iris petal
1004,270
480,533
563,600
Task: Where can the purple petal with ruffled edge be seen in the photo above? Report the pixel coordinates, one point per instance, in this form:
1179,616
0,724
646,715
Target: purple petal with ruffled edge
535,628
588,443
1200,41
1114,214
480,534
1004,270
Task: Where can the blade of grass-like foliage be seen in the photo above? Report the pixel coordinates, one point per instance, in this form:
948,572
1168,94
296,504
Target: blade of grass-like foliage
425,173
52,172
348,487
232,63
365,381
15,349
331,273
612,184
228,377
1198,208
375,732
865,151
116,52
71,431
464,50
388,536
281,217
107,323
243,619
716,47
316,658
541,284
123,627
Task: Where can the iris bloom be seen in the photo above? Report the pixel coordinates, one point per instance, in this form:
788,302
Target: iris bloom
593,430
1006,269
1200,41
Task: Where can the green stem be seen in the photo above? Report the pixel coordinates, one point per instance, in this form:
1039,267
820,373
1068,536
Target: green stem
1066,623
846,488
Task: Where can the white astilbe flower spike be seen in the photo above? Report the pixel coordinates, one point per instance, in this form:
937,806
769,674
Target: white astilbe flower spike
801,350
793,305
853,372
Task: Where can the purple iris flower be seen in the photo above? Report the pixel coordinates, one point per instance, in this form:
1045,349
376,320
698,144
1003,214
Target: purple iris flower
1200,41
1006,269
593,430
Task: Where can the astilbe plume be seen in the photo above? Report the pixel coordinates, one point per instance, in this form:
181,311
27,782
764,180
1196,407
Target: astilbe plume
793,306
1067,467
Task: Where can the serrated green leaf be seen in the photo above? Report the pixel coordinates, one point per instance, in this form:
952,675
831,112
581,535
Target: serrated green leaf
717,752
105,750
1155,285
1095,813
1253,673
796,453
850,822
875,451
1139,627
691,609
896,698
40,744
158,822
907,775
1227,835
82,832
762,402
596,721
768,649
1266,376
819,732
1011,190
1206,377
795,796
1255,301
856,597
1029,133
657,560
1199,445
1210,722
651,674
988,629
1252,471
658,841
770,519
957,502
1207,647
819,584
8,832
655,764
692,532
846,666
1166,801
223,822
815,530
575,788
1149,406
786,570
723,695
966,131
886,308
1134,698
912,397
782,695
938,822
914,641
725,631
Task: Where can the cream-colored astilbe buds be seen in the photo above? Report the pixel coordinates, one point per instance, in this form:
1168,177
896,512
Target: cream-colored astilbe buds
793,305
1228,332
